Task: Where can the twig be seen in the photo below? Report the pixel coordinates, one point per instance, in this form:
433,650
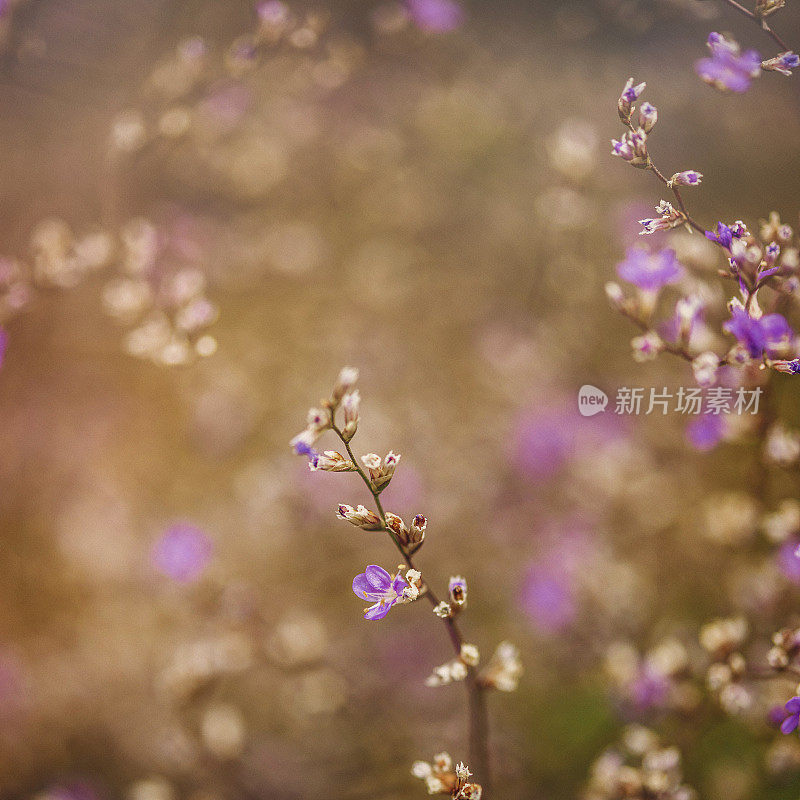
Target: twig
478,723
760,21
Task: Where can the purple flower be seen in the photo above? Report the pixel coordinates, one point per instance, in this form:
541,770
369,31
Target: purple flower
438,16
706,432
789,367
723,237
783,63
758,336
788,562
303,449
3,345
650,271
728,68
791,722
377,586
183,552
689,177
549,600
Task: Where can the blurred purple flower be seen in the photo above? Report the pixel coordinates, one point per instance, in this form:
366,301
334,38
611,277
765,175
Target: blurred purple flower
759,336
728,68
377,586
3,345
183,552
650,271
545,439
438,16
548,599
788,562
791,722
706,432
649,689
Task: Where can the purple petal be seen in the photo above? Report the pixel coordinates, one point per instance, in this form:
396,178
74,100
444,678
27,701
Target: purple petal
790,723
775,327
793,706
398,584
378,611
378,578
364,589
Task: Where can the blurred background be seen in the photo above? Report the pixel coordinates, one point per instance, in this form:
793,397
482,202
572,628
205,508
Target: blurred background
207,209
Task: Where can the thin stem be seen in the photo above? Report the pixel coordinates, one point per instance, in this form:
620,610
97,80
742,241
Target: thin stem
760,21
678,199
478,721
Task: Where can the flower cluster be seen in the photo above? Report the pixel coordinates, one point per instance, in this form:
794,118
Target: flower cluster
339,414
766,263
639,768
442,777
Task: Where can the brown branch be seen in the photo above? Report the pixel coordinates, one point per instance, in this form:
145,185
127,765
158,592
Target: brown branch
760,21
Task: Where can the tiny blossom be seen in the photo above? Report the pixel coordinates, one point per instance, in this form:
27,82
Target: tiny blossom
759,336
380,470
350,406
726,234
766,7
669,218
436,16
648,116
504,669
705,368
789,725
783,63
330,461
470,655
345,382
458,590
632,148
646,347
443,610
444,675
650,271
377,586
706,432
789,367
630,94
614,294
728,68
688,177
360,516
183,552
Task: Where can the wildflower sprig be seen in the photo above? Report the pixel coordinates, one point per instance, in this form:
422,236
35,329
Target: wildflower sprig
384,590
753,263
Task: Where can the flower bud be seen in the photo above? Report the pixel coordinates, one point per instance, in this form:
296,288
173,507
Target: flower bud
470,655
766,7
646,347
344,383
689,177
614,294
417,532
458,591
705,368
443,610
630,94
648,116
361,517
350,405
331,461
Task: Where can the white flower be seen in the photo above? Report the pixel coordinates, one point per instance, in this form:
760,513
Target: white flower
470,655
443,610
